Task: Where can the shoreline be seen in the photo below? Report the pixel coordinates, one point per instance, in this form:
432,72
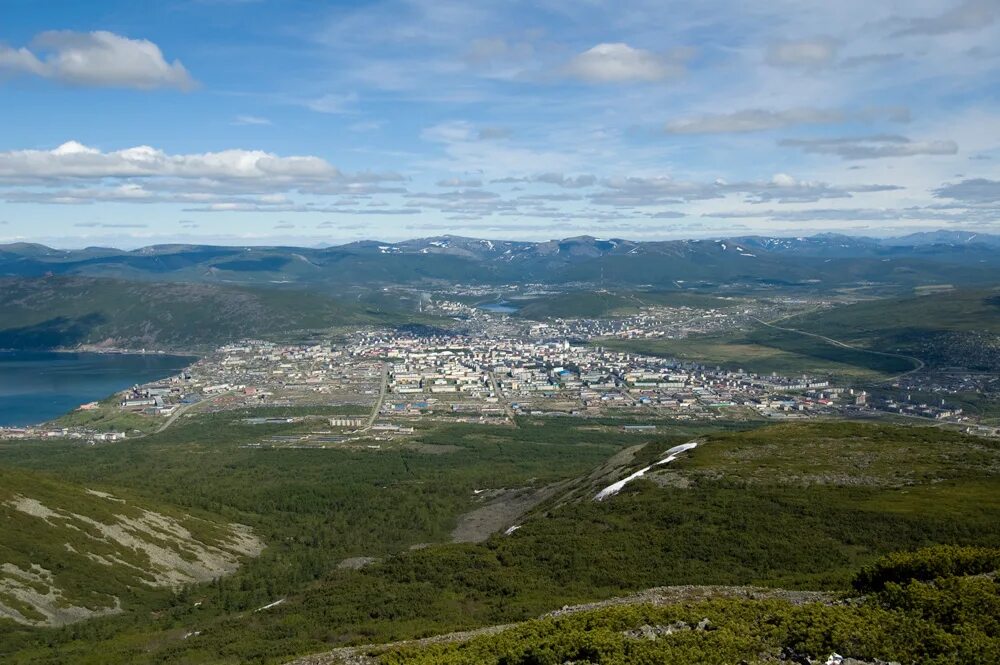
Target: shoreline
111,351
188,358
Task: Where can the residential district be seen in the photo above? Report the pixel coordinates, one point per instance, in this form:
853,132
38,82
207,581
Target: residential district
380,385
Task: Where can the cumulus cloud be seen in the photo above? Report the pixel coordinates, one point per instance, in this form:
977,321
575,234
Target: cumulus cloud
758,120
73,160
558,179
872,147
804,53
620,63
75,174
968,15
96,59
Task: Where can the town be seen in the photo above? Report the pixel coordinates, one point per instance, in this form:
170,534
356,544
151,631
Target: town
379,384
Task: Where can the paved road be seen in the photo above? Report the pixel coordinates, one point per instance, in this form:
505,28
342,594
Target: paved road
844,345
500,398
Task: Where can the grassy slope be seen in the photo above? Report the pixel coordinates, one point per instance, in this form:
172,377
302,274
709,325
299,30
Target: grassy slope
935,328
64,545
602,304
60,312
949,621
764,351
837,493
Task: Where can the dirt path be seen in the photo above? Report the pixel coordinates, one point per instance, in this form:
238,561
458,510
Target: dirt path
369,653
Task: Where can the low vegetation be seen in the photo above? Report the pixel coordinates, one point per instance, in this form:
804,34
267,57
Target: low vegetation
837,493
70,552
960,327
947,619
60,312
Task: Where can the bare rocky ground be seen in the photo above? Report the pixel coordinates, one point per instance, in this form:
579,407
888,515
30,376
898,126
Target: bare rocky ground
671,595
501,512
170,556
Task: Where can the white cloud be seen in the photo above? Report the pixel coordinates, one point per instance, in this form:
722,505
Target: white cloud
558,179
96,59
332,103
968,15
494,133
973,191
73,160
449,132
459,182
620,63
872,147
759,120
805,53
781,188
250,120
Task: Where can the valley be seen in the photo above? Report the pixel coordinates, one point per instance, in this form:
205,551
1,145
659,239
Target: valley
349,471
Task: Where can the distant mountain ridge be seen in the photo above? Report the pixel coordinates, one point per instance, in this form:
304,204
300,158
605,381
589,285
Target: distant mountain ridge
927,257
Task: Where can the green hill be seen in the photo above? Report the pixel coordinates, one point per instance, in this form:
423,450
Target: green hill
948,618
58,312
69,552
957,327
838,495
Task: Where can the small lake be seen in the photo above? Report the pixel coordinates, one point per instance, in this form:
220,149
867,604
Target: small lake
36,386
502,307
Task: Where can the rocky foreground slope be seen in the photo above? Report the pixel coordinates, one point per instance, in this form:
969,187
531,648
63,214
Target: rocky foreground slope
69,553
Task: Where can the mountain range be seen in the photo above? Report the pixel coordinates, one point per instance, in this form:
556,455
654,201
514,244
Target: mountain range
825,259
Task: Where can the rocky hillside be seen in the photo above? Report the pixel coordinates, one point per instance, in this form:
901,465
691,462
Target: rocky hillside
70,553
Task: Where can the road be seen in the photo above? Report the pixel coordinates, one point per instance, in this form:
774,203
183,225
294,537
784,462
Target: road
844,345
383,389
495,387
184,408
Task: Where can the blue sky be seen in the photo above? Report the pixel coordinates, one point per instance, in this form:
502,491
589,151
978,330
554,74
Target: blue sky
259,121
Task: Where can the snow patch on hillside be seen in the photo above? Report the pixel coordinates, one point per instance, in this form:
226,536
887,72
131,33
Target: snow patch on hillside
672,454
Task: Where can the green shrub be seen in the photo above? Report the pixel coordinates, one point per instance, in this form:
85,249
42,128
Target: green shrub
925,565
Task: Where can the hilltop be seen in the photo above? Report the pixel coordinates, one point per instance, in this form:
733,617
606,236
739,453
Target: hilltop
68,311
822,261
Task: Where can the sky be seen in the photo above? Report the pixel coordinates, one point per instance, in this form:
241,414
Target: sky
315,122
